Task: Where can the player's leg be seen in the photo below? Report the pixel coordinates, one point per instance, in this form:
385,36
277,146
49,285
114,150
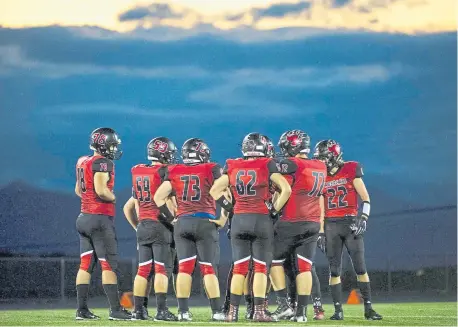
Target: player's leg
207,252
281,248
83,278
355,248
305,254
262,259
248,292
334,247
227,299
163,266
241,229
106,247
187,256
291,273
145,262
316,296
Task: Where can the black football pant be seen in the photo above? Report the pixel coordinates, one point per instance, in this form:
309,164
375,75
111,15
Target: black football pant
338,234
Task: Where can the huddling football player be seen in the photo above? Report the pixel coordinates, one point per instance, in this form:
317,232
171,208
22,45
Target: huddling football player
344,225
154,234
95,177
196,228
251,227
301,221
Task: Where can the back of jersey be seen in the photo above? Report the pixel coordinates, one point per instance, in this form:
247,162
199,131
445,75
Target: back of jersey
86,168
145,182
192,184
307,178
249,182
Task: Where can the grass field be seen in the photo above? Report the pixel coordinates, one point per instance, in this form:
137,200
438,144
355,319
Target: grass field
397,314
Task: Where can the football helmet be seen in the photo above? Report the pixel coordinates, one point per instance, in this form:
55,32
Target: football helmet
106,142
270,148
294,142
195,150
330,153
161,149
255,145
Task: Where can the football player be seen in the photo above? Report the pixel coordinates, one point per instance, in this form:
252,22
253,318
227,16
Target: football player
251,228
195,232
302,219
154,236
344,226
95,177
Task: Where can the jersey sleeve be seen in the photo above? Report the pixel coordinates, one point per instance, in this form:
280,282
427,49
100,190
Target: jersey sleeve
287,167
216,171
163,173
359,171
102,165
134,194
273,167
225,168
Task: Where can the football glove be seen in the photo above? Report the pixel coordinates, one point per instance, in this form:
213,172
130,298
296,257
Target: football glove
321,242
360,225
228,233
271,208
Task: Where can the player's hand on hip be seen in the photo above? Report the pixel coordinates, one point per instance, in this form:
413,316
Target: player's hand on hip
321,242
360,225
174,221
219,222
228,233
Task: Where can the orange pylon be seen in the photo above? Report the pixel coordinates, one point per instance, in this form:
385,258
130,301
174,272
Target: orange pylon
126,300
354,297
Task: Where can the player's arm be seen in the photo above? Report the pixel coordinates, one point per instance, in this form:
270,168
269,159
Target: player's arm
219,188
101,187
321,213
360,188
130,212
78,189
160,198
172,204
224,215
285,190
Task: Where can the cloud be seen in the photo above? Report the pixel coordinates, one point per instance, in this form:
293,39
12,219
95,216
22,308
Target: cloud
156,11
340,3
281,10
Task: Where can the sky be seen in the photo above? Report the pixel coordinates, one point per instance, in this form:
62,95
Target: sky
383,85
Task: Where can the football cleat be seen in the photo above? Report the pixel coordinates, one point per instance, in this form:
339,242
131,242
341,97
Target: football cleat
218,316
85,314
302,318
233,314
184,316
338,315
140,315
260,315
165,315
318,313
284,310
372,315
249,311
120,314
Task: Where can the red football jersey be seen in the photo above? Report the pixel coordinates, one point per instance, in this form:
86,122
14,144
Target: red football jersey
341,199
192,184
146,179
249,181
86,167
307,178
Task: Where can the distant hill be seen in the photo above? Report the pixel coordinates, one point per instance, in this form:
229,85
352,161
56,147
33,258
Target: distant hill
36,221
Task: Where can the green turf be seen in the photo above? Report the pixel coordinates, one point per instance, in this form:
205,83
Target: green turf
398,314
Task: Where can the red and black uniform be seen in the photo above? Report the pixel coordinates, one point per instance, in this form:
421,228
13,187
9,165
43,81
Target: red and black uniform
298,228
153,238
95,224
251,227
341,208
194,234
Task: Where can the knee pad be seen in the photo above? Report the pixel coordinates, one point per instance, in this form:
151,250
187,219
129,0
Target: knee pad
303,264
260,266
144,269
105,265
186,266
276,263
206,268
159,268
86,259
241,266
